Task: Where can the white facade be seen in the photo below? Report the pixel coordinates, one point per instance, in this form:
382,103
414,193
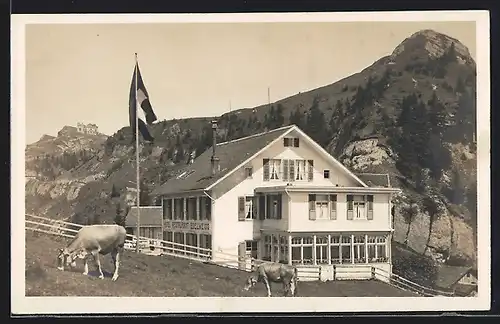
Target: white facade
294,203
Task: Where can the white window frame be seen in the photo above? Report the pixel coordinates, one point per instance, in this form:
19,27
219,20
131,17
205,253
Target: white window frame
359,255
322,249
275,172
249,212
322,201
301,171
355,205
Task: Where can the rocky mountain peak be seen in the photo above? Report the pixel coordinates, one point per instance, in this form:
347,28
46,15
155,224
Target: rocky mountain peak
67,131
433,44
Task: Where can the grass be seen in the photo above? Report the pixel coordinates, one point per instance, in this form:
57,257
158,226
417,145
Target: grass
163,276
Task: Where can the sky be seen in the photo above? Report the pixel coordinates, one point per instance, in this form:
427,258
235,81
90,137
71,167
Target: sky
82,72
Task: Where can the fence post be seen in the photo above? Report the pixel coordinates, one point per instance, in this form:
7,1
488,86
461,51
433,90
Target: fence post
373,272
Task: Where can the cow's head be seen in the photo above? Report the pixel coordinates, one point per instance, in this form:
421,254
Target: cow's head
250,283
65,259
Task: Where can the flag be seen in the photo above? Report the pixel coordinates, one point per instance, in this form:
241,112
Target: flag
140,97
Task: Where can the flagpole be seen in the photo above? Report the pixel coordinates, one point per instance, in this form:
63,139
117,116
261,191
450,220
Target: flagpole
137,158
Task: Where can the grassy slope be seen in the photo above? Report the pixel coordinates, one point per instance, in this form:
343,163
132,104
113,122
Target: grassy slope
154,276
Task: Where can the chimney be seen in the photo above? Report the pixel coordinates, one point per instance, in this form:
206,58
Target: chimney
214,160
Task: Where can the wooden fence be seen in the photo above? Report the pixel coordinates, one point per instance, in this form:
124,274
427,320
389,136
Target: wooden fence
306,273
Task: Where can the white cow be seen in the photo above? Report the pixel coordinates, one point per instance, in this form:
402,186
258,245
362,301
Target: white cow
94,240
274,272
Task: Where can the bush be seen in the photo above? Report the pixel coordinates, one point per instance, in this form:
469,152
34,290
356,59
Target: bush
414,267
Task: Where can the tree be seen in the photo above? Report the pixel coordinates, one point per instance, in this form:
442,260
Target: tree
316,127
437,114
114,192
144,198
297,118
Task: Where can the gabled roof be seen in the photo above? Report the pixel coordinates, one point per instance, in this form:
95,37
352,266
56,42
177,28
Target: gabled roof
447,275
231,154
375,179
150,216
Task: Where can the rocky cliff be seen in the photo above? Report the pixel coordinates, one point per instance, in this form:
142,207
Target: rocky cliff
410,114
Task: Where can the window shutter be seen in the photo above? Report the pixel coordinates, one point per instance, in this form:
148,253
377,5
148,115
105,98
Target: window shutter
285,170
312,207
280,206
350,207
266,169
333,207
291,167
370,207
269,203
296,142
311,168
262,207
255,209
241,208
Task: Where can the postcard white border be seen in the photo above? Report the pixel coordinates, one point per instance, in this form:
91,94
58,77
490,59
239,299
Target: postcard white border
65,305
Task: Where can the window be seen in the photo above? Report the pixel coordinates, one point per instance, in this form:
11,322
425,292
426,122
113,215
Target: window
376,246
335,249
346,249
288,170
252,248
322,211
205,207
359,207
267,248
321,249
167,209
275,169
291,141
247,208
283,249
273,206
191,208
178,208
300,168
359,249
248,172
326,174
322,206
302,250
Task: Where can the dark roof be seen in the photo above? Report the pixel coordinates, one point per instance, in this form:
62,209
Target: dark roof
230,154
465,290
447,275
374,179
150,216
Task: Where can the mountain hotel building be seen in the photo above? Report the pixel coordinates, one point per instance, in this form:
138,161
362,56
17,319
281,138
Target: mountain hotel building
279,196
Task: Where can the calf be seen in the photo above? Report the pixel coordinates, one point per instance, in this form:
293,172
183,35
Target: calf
94,240
274,272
